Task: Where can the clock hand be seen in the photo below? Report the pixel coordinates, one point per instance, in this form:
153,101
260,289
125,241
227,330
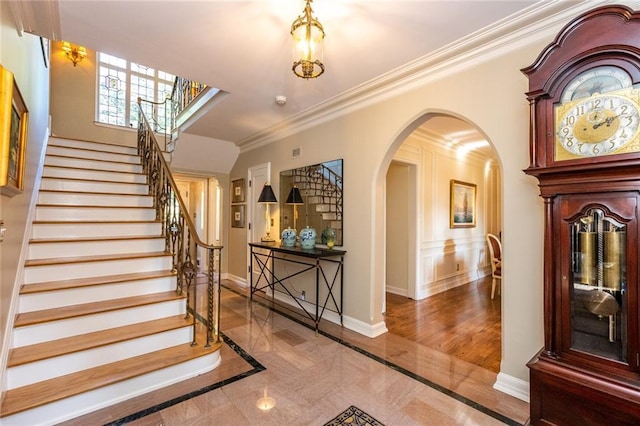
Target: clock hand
606,121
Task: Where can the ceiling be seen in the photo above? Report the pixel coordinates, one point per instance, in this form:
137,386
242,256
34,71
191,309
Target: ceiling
244,49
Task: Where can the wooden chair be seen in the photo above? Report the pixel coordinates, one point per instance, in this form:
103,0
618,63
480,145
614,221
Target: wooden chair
495,250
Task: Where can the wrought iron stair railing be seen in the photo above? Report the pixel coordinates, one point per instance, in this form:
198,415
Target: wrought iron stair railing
181,238
323,184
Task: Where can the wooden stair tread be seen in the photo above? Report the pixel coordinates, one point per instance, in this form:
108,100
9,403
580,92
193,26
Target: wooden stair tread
92,206
94,170
95,180
91,281
89,239
82,222
65,312
55,140
37,394
68,345
58,145
99,194
95,258
100,160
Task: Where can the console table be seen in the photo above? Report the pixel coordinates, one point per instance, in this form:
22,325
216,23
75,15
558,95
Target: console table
265,256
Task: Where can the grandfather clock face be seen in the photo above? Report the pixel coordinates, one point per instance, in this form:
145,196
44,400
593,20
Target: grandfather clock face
598,115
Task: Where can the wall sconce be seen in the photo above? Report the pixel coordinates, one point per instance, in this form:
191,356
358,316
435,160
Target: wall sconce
308,36
295,199
74,53
267,197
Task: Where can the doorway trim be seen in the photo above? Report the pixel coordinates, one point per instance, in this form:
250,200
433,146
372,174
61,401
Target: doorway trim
413,213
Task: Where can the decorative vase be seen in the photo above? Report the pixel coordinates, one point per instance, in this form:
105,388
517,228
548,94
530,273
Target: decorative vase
289,237
329,237
308,238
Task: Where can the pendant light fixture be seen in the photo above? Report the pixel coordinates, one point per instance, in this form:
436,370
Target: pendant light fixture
308,37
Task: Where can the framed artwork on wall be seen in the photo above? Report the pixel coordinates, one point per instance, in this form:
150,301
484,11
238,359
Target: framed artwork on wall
462,210
237,191
237,216
13,134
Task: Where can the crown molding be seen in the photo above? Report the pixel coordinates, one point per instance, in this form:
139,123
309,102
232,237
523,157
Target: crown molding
539,21
42,20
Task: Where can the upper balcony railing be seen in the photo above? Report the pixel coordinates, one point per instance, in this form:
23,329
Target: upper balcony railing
162,116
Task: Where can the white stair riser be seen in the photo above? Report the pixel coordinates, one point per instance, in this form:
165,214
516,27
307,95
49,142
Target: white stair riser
72,213
91,199
90,186
88,402
52,330
326,207
59,366
70,143
93,155
65,271
94,248
64,172
70,230
54,299
52,160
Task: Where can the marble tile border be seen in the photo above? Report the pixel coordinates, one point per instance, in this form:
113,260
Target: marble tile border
460,398
256,368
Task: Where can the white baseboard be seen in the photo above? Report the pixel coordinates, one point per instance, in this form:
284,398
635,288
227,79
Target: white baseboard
368,330
432,288
513,386
397,290
242,282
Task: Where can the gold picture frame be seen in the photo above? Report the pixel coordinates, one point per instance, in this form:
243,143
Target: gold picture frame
14,118
462,209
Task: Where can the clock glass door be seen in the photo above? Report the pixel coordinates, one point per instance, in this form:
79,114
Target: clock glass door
599,296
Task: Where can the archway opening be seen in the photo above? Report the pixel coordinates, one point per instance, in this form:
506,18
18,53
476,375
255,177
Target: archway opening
437,284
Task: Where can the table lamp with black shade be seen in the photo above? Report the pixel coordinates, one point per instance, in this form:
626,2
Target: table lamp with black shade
267,197
295,199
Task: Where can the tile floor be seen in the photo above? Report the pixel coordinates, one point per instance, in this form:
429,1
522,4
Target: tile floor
314,377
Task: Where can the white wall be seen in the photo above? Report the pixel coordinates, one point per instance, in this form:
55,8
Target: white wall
447,257
22,55
73,101
398,228
488,95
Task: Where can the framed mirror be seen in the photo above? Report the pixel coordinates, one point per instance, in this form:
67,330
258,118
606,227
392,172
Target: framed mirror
312,196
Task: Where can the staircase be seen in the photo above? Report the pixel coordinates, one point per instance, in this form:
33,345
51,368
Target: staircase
99,318
323,191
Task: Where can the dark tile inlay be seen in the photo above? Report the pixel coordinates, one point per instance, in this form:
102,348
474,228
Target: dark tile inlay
463,399
257,367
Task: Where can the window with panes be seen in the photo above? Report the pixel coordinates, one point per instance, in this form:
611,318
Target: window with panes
120,83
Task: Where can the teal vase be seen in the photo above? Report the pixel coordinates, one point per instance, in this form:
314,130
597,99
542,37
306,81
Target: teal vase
308,238
289,237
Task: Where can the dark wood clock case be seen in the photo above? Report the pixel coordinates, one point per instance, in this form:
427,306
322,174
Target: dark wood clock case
588,372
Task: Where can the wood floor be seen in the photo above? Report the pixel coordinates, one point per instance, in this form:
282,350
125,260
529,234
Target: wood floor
462,322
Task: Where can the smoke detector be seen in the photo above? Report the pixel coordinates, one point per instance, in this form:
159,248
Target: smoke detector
281,100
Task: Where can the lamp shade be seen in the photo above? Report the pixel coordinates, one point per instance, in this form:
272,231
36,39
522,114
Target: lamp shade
294,196
267,196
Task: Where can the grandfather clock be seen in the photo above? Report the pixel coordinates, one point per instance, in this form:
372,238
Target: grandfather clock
584,94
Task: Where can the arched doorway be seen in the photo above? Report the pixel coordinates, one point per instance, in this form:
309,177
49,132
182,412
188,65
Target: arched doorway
449,308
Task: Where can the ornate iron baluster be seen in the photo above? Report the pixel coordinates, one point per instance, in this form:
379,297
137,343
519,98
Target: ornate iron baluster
181,239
